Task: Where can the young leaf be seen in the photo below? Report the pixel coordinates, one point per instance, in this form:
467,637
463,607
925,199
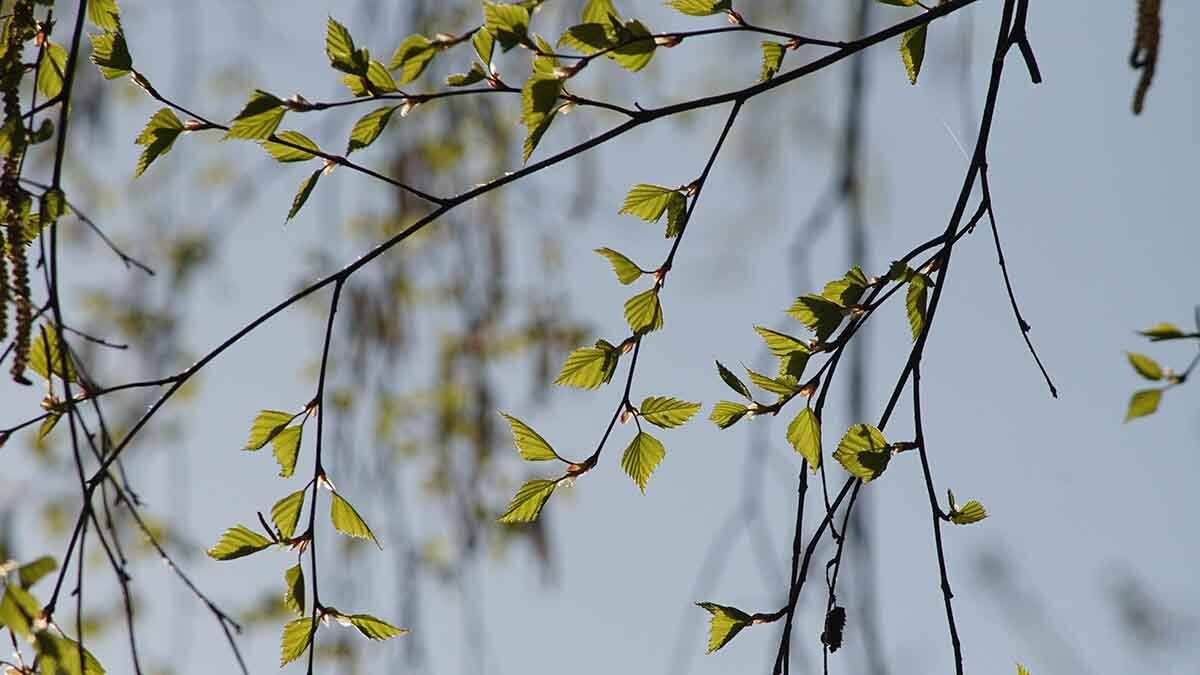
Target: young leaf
667,412
58,655
286,513
700,7
412,56
1163,331
587,38
302,194
104,14
18,610
475,74
863,452
971,512
45,357
111,54
238,541
538,97
291,146
1143,403
914,303
347,521
727,413
286,446
528,502
623,267
649,202
782,385
817,314
267,425
642,456
912,51
1145,366
600,11
804,433
644,312
535,135
1022,670
484,45
733,381
848,290
589,367
379,79
47,425
530,445
509,24
259,118
50,74
339,47
726,622
293,592
369,127
297,635
375,629
158,136
781,344
29,573
772,60
637,46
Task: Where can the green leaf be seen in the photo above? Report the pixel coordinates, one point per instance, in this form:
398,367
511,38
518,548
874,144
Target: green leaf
817,314
1144,402
18,610
783,386
642,456
509,24
623,267
291,146
848,290
530,445
286,446
587,38
772,60
914,303
293,593
47,426
1021,670
781,344
535,135
347,521
158,136
104,14
863,452
600,11
971,512
58,655
1145,366
1163,331
804,433
637,46
238,541
726,622
900,272
912,51
111,54
727,413
44,356
475,74
369,127
545,64
267,425
733,381
339,47
302,194
412,56
358,86
667,412
484,45
650,202
528,502
589,367
259,118
700,7
538,97
375,629
898,3
297,635
29,573
286,513
52,69
644,312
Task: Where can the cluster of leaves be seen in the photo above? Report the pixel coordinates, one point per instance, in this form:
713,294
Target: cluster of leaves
23,616
1146,401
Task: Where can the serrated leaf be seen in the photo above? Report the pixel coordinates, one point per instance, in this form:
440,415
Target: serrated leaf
283,147
667,412
293,589
297,635
863,452
804,433
912,51
700,7
1144,402
971,512
781,344
379,79
914,303
727,413
643,455
48,425
58,655
339,47
650,202
643,312
627,272
733,381
528,502
51,71
848,290
538,97
772,60
238,541
475,74
357,85
347,521
726,623
817,314
104,14
45,357
898,271
110,53
589,367
369,127
509,24
29,573
1022,670
1163,331
1145,366
267,424
587,38
637,46
286,513
535,135
545,64
259,118
530,444
157,136
302,194
484,45
18,610
412,56
375,629
599,11
286,447
783,386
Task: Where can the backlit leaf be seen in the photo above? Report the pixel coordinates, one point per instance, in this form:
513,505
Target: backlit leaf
157,137
286,446
238,541
412,56
914,303
971,512
650,202
29,573
817,314
637,46
1162,331
48,425
1145,366
259,118
644,312
475,74
286,513
589,367
726,622
45,357
379,79
347,521
18,610
642,456
667,412
267,424
623,267
110,53
782,385
104,14
291,146
848,290
700,7
375,629
530,444
302,194
52,69
339,47
58,655
912,51
863,452
293,593
733,381
1143,403
528,502
772,60
297,635
509,24
727,413
804,433
484,45
369,127
781,344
